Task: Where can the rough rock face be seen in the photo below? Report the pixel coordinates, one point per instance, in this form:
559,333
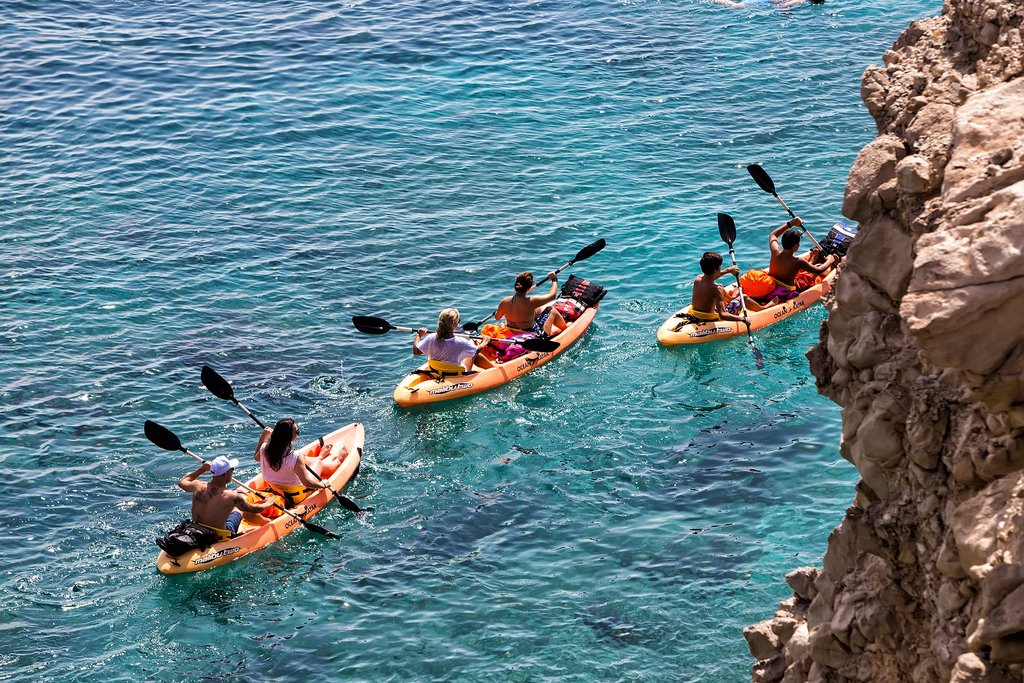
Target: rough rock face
924,350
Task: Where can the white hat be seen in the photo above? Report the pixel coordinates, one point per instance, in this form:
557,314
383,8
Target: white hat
221,464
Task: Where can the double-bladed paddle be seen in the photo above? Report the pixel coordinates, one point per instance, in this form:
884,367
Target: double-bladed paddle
220,388
473,327
765,182
369,324
165,439
582,255
727,230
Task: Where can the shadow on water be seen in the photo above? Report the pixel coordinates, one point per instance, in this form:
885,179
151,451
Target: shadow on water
609,624
473,532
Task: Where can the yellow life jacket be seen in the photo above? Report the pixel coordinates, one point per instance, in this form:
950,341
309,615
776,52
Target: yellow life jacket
446,369
293,495
223,533
701,315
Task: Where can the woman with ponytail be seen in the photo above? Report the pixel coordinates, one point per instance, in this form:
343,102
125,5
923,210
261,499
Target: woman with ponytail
446,353
284,470
531,313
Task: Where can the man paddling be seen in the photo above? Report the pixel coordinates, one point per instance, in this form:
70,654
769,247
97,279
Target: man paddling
709,298
213,503
785,264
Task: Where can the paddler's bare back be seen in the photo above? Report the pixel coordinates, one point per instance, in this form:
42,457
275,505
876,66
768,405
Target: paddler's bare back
784,267
519,311
706,295
212,504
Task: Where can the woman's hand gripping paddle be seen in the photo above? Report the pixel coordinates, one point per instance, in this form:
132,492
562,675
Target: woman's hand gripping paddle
727,230
220,388
371,325
582,255
165,439
765,182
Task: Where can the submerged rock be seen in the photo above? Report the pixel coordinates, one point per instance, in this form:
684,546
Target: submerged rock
924,350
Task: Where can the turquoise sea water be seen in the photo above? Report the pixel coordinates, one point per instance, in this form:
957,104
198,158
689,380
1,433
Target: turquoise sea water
228,183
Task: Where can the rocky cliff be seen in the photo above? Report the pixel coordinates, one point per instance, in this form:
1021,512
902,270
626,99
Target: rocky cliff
924,351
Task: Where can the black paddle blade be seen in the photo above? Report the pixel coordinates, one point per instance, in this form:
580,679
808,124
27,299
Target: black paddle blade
727,228
588,251
368,324
542,345
761,177
317,529
758,357
162,436
471,326
348,504
217,385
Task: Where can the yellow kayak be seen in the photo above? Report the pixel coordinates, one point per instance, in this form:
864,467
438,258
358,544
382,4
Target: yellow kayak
676,331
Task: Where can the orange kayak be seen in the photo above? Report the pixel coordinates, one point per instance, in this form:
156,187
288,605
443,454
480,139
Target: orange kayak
419,388
254,536
674,333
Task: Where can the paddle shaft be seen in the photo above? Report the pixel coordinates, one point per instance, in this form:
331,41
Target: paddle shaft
743,301
473,327
743,308
561,269
793,215
248,412
398,328
765,182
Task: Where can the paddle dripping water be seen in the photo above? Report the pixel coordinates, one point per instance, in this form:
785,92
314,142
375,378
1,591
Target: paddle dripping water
226,185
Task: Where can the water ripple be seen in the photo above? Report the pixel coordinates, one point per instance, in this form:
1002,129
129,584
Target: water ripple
223,184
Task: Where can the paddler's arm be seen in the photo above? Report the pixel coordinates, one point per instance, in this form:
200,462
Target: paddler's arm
416,340
243,504
735,318
773,239
500,312
551,295
720,307
264,435
303,474
188,482
829,263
